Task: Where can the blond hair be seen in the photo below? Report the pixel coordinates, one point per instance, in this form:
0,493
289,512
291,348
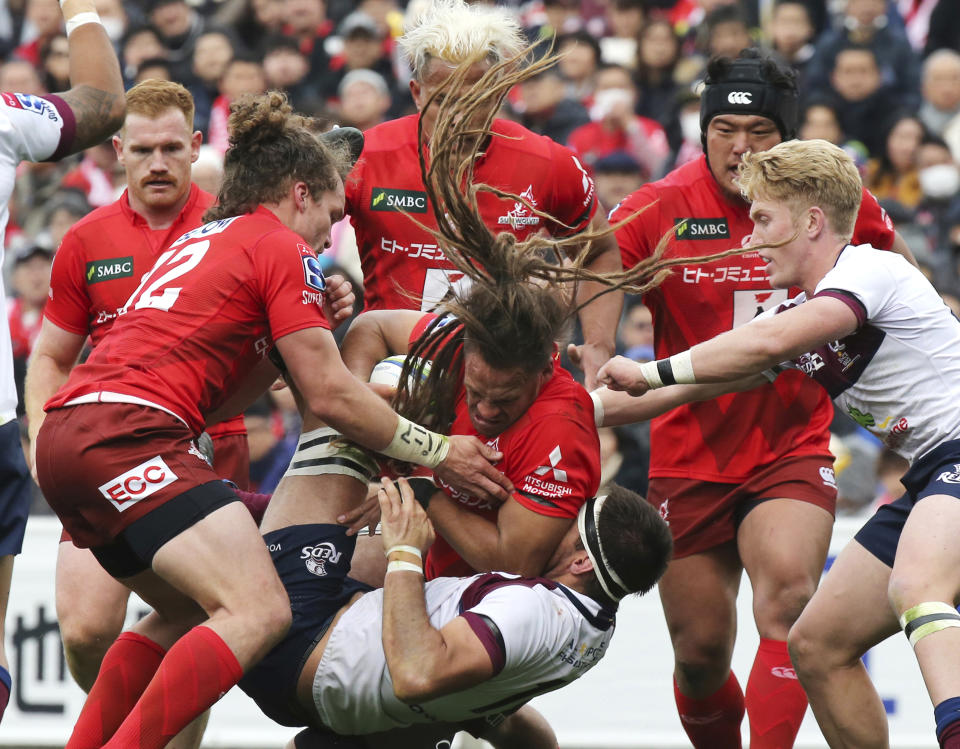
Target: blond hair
457,33
153,97
806,173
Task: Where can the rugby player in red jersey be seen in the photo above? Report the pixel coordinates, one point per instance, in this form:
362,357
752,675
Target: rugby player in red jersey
403,266
746,480
97,267
116,454
45,128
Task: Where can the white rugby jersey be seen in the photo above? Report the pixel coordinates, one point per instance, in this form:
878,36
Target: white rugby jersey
898,375
549,636
32,128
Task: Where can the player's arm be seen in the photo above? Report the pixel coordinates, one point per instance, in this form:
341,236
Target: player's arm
376,335
600,318
749,349
615,408
54,354
333,395
901,247
96,95
253,386
521,541
424,662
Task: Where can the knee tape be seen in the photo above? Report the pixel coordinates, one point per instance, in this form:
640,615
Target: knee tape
926,618
324,451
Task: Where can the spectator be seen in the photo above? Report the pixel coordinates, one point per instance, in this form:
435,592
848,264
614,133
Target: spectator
726,31
63,211
939,180
21,76
892,175
178,26
212,53
271,444
55,63
207,172
114,18
615,127
243,75
865,24
657,52
625,20
616,175
363,49
140,44
821,119
158,68
579,63
287,69
254,21
855,80
688,144
44,20
364,99
546,108
941,90
307,22
944,27
99,175
30,282
791,35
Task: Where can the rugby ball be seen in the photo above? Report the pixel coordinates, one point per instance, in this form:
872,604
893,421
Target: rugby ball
387,372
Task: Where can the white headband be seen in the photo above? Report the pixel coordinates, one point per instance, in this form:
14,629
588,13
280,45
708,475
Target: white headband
588,524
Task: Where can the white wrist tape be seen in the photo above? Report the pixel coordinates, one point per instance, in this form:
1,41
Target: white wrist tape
404,567
80,19
414,444
677,370
597,405
406,548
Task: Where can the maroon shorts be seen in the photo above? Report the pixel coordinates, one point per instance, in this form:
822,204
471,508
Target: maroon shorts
104,465
703,514
231,459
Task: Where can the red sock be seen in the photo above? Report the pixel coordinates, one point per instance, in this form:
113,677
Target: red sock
126,670
776,702
714,721
196,672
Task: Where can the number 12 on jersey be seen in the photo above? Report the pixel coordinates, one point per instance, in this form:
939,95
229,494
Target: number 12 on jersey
176,262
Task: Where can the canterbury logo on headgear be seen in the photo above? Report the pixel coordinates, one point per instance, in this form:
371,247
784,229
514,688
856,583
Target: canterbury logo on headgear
739,97
587,524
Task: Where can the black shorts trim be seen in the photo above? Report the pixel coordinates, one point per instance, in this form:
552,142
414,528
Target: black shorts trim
132,551
16,489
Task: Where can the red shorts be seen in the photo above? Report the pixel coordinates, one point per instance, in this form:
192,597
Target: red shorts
104,465
231,458
702,514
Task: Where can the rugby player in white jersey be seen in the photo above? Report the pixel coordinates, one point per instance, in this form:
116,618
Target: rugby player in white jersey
876,335
45,128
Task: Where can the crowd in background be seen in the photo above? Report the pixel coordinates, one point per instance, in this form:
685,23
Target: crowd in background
880,78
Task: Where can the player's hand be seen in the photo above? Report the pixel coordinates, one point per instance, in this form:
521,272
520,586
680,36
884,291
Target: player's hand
589,357
621,373
402,519
366,515
338,299
469,468
382,389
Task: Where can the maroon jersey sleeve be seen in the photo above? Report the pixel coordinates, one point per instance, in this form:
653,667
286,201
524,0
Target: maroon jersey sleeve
554,466
873,226
68,305
291,283
637,236
574,198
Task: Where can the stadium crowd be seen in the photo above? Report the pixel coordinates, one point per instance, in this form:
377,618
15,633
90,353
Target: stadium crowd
880,79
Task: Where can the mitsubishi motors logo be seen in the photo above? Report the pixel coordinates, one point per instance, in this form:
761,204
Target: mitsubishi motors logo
558,473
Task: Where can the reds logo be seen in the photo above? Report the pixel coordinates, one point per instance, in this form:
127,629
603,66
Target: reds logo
138,483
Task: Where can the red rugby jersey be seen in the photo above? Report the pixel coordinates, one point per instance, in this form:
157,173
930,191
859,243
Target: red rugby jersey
551,454
204,315
100,263
725,439
395,251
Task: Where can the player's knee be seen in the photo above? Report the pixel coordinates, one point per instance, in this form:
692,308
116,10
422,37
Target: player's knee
909,587
273,615
781,606
703,666
86,636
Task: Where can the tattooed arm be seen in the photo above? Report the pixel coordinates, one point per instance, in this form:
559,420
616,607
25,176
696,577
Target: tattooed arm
96,97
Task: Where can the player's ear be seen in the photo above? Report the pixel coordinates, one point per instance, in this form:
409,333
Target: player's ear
196,140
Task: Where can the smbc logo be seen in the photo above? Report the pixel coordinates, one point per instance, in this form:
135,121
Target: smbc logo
389,199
